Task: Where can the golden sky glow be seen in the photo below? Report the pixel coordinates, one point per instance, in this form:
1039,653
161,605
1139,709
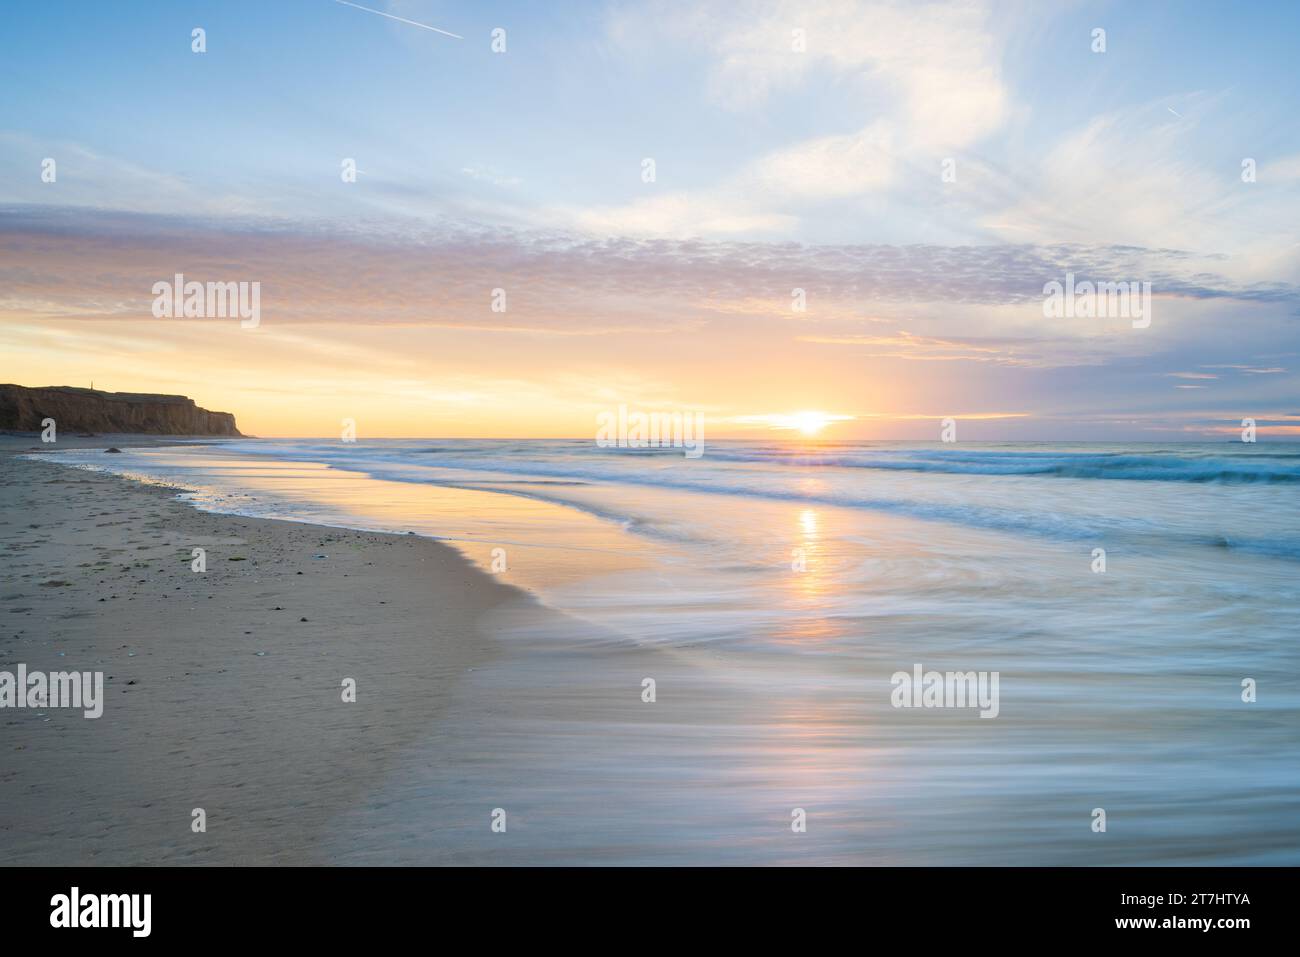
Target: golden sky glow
403,381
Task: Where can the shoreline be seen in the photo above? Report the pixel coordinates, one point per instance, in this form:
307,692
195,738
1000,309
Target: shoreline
222,688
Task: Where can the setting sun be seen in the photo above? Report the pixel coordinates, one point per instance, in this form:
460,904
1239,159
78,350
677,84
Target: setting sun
807,423
810,423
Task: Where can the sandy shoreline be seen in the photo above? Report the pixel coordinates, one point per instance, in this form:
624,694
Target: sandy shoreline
223,689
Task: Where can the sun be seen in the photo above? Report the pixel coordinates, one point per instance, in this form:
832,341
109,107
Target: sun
807,423
810,423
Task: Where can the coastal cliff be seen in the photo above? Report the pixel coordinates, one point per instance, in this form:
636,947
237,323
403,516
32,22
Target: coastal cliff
89,410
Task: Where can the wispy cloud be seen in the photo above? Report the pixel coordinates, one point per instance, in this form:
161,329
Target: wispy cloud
87,262
927,77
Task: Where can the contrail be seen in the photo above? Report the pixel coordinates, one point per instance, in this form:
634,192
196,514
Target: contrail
401,19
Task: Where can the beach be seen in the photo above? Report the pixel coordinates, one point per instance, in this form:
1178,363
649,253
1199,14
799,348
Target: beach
568,655
223,689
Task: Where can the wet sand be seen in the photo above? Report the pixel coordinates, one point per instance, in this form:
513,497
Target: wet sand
223,689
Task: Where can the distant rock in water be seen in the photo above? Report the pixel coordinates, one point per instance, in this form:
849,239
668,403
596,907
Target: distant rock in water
89,410
118,451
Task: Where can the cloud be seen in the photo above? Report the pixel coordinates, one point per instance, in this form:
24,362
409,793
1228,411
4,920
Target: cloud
411,300
934,65
927,82
906,345
759,199
491,176
77,262
1138,176
682,215
1283,169
906,317
826,167
1248,370
86,177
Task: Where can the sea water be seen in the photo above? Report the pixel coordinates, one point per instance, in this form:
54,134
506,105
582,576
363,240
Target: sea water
1137,603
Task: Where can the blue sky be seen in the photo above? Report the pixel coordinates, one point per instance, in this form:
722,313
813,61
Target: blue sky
566,115
482,169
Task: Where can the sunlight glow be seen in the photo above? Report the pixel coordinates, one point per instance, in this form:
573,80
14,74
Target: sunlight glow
809,422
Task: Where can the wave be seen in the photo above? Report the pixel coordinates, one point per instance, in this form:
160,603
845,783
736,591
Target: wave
1273,468
572,473
560,458
544,471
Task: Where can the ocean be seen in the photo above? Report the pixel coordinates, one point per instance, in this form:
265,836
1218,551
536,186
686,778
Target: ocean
1137,604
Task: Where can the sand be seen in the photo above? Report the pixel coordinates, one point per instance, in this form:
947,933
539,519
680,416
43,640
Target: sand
223,689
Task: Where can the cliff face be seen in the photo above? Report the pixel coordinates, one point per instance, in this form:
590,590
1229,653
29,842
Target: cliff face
88,410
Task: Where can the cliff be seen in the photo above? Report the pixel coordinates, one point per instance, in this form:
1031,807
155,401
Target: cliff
89,410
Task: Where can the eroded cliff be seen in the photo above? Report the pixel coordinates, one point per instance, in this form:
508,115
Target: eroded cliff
23,409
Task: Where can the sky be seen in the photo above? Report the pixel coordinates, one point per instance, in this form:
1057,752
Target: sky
919,171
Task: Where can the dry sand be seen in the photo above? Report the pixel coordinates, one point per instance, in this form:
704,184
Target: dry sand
223,689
